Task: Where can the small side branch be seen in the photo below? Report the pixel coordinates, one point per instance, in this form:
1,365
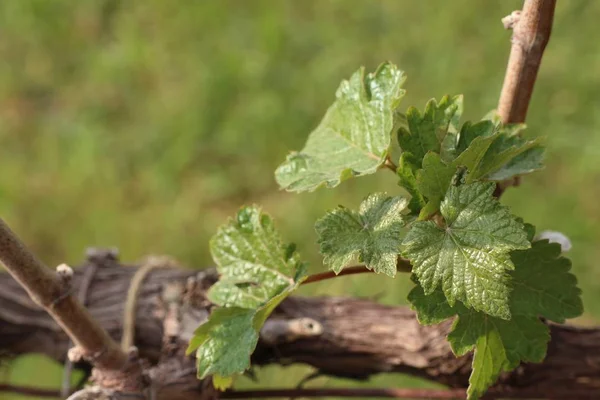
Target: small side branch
531,33
375,393
402,393
402,266
50,292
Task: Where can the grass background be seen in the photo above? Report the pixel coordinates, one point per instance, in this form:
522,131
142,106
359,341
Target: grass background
144,124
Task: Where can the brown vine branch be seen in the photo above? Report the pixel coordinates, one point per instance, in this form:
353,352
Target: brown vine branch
531,33
403,393
357,338
47,290
384,393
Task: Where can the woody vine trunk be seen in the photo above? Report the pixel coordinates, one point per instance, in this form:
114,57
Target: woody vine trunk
358,338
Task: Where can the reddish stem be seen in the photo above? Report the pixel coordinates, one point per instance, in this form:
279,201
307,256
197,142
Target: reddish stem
323,276
402,266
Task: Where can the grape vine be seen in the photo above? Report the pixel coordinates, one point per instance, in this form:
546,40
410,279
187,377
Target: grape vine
472,260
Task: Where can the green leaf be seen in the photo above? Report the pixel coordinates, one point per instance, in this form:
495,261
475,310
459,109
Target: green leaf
499,345
226,342
471,158
433,181
354,136
469,257
501,155
469,132
489,359
257,271
529,158
434,130
433,308
543,286
496,153
253,263
407,167
373,234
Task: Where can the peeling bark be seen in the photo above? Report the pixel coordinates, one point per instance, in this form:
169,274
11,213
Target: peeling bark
355,338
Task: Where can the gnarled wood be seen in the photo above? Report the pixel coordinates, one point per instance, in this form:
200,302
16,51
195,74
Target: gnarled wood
358,338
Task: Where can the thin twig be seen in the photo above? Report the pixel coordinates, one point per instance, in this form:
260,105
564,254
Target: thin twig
323,276
86,281
45,288
407,393
402,265
390,164
531,34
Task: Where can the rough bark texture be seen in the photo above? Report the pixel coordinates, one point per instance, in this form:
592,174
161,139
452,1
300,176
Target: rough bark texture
355,338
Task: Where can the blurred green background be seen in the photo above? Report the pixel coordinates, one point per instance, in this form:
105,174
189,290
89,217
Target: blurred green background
144,124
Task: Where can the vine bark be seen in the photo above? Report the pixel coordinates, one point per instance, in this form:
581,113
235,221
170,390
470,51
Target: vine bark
356,338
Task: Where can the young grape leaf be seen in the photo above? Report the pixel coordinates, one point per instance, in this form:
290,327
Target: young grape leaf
469,132
257,271
543,286
495,152
407,167
472,156
543,283
499,345
433,181
434,130
500,159
469,257
450,141
373,234
354,136
224,344
529,158
432,308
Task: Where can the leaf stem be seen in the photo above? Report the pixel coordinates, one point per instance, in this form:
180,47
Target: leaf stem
389,164
323,276
403,265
